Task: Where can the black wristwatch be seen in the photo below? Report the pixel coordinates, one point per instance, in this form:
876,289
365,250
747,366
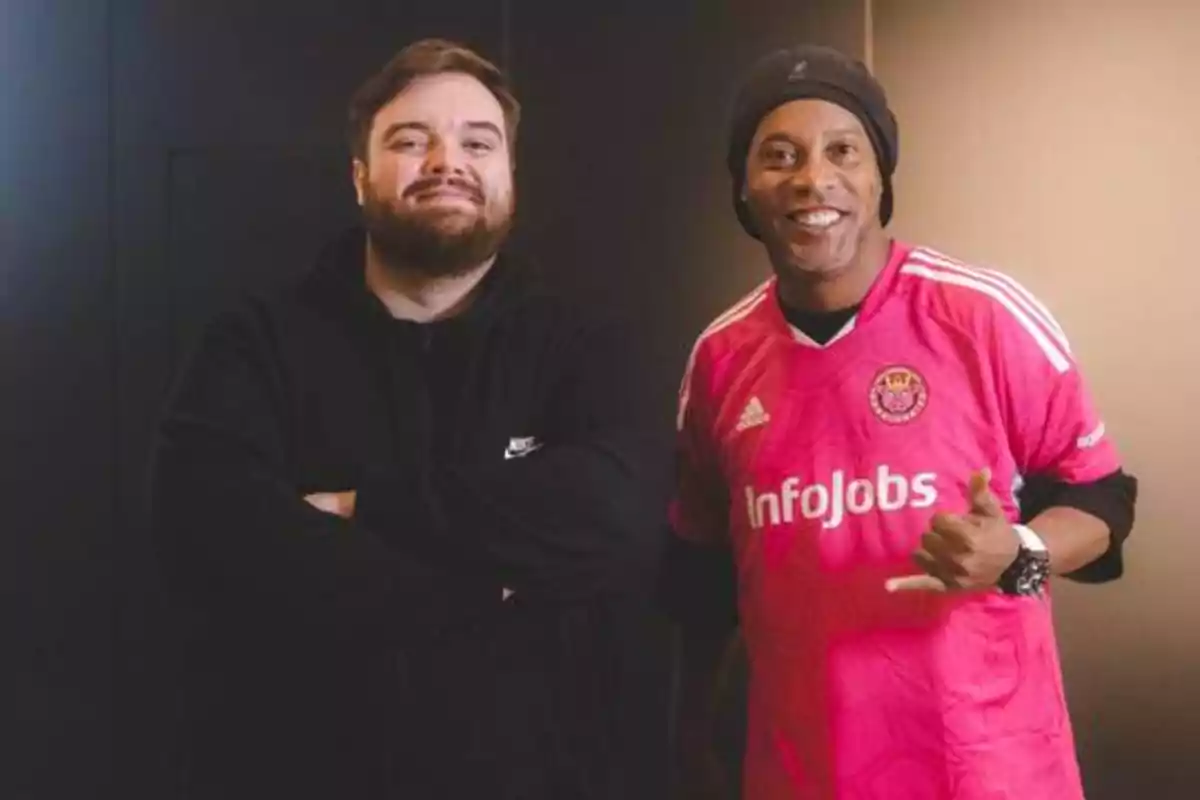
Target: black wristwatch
1030,570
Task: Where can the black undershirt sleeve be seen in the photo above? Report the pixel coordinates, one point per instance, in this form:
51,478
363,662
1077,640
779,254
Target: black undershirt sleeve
1110,499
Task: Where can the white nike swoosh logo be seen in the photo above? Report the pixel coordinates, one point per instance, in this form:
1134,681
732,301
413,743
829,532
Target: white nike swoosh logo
517,451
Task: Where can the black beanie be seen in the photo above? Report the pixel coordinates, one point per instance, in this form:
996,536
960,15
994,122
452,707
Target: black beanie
816,72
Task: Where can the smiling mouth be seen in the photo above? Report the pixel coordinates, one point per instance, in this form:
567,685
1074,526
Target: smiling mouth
816,220
447,194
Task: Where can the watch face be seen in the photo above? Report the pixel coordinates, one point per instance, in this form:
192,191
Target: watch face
1027,574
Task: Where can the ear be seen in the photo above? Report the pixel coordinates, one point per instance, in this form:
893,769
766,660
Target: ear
511,150
358,174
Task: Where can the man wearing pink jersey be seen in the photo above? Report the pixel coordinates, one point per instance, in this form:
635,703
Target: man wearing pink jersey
854,437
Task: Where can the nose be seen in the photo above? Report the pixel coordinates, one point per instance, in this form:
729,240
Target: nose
814,174
445,158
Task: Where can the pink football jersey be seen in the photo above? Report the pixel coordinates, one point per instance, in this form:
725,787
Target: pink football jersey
821,466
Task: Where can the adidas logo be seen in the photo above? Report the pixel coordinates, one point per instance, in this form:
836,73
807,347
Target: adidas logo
753,415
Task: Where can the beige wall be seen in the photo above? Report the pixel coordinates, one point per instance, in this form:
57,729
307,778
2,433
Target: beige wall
1057,140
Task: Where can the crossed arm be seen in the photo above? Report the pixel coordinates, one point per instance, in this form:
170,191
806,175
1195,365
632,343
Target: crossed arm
423,545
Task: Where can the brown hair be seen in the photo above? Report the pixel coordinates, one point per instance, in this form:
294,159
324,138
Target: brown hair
419,59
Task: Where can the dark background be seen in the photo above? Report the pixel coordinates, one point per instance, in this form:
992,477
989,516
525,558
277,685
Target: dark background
159,156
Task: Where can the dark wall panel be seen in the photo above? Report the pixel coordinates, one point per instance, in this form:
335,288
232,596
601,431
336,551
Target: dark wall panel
56,398
228,231
622,162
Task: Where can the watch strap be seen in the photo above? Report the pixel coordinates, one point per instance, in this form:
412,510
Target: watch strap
1030,539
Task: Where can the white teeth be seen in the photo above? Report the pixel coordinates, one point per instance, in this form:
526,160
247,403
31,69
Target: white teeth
817,219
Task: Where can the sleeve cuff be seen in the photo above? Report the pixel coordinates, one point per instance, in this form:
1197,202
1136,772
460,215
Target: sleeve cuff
1111,499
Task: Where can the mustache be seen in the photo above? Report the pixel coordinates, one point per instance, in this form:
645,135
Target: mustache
427,185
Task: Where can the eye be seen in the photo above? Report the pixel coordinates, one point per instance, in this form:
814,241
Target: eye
778,155
407,144
842,152
479,147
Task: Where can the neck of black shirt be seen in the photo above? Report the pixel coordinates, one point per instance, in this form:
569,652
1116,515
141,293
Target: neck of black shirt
820,326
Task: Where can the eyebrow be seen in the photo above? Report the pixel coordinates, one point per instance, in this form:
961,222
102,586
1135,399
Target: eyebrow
783,137
486,126
776,137
397,127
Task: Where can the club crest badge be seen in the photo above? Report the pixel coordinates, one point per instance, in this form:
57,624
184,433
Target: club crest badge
898,395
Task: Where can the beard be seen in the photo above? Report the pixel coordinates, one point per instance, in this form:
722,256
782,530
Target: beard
435,242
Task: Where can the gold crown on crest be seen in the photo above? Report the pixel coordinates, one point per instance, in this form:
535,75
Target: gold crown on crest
900,379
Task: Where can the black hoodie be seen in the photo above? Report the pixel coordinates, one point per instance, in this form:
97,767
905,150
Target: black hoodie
513,446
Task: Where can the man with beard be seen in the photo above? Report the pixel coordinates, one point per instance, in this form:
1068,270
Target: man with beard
414,495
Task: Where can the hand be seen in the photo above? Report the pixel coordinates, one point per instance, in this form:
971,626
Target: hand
338,503
964,551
